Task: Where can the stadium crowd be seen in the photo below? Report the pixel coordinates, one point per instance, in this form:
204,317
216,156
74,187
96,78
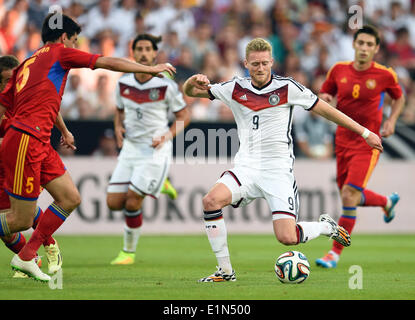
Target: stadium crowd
208,36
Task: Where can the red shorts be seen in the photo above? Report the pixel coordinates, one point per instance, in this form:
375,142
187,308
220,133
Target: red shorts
28,164
4,197
354,167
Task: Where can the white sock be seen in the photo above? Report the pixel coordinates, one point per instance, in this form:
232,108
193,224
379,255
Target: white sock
131,236
335,255
312,230
388,203
218,238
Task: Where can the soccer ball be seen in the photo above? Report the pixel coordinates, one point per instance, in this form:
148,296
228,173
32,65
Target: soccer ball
292,267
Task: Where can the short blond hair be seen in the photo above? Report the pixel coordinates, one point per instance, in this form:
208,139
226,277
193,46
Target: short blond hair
257,44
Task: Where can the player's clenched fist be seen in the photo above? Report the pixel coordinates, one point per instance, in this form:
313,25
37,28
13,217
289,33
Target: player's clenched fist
200,81
164,67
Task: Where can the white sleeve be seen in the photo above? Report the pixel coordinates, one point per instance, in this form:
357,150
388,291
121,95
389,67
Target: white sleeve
222,91
118,99
175,97
299,95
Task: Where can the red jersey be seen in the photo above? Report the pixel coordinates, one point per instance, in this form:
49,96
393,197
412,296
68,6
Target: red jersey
360,95
38,85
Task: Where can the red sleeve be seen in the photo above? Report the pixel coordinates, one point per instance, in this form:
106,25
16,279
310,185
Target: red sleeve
7,95
73,58
329,86
393,88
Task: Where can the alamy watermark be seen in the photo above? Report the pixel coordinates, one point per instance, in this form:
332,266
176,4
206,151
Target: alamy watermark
56,281
356,280
356,18
56,20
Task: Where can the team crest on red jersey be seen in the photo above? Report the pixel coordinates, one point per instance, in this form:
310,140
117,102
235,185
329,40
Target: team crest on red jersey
371,83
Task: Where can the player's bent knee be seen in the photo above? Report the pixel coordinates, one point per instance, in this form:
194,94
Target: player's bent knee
210,202
133,203
350,195
115,203
21,224
72,201
287,239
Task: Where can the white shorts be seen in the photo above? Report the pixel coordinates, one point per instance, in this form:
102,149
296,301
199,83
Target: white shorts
144,176
277,187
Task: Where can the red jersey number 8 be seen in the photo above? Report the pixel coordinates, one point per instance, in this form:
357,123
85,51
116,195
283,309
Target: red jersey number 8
23,75
356,91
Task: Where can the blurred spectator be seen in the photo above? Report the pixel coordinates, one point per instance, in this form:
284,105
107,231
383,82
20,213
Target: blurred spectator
208,12
182,22
156,21
201,43
184,66
228,37
7,36
403,49
231,65
314,134
211,65
107,146
171,46
393,19
125,16
36,13
309,57
70,100
323,63
314,137
99,18
102,100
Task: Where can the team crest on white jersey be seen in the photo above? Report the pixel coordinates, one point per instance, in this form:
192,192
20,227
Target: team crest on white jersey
154,94
274,99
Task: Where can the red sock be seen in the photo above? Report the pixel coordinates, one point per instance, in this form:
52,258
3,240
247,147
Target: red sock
39,214
134,221
373,199
16,242
348,223
51,220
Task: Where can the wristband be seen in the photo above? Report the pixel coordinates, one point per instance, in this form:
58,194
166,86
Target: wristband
366,133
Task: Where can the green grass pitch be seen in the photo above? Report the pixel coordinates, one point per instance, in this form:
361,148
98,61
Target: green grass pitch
168,267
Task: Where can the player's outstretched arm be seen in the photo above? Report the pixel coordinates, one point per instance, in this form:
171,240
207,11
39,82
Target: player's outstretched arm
124,65
327,111
197,86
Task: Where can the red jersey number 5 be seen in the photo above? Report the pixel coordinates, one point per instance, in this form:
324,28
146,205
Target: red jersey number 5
23,75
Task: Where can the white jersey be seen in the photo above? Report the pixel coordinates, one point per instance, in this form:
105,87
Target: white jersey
264,118
146,106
